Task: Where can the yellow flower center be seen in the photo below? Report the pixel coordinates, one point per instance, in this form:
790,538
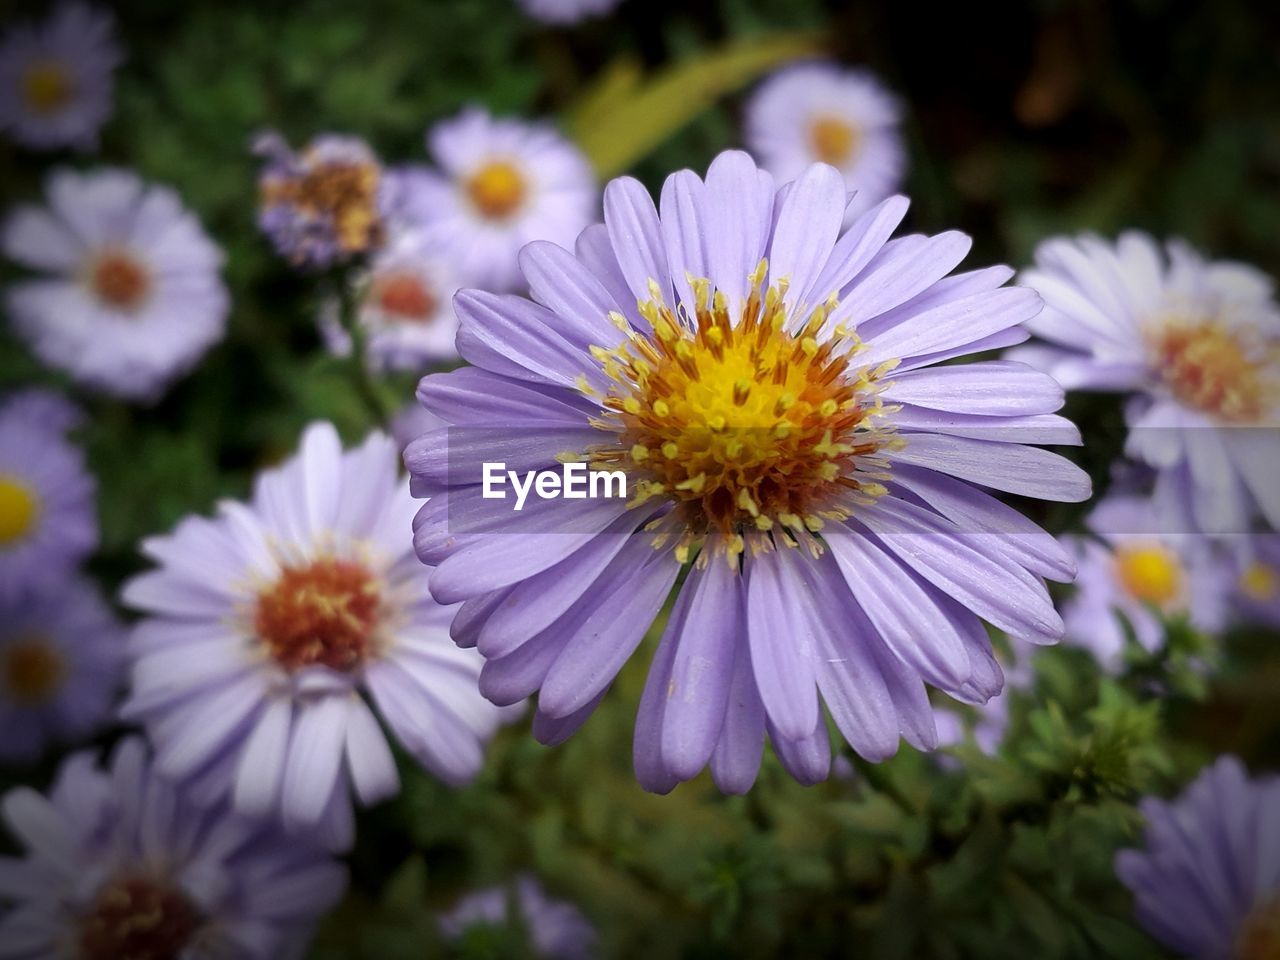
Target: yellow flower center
139,918
119,279
19,509
497,189
833,140
748,427
47,87
323,613
344,193
1212,369
1150,573
1259,582
1260,934
404,296
33,670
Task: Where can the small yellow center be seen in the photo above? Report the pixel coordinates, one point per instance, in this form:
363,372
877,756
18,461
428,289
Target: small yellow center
47,87
1210,368
1259,582
833,140
748,427
323,613
1260,934
19,509
497,189
119,279
345,194
1150,573
33,670
404,296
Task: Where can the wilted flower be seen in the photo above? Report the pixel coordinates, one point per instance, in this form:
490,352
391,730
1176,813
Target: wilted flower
120,863
55,77
1196,342
48,520
405,307
269,624
771,404
324,205
131,297
61,664
821,113
553,929
566,11
505,183
1207,882
1139,570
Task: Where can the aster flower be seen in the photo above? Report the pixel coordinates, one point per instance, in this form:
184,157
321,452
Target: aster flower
120,863
55,77
48,522
504,183
270,625
61,663
819,112
566,11
1207,881
731,354
324,205
405,307
1257,585
554,929
48,409
130,296
1138,573
1197,345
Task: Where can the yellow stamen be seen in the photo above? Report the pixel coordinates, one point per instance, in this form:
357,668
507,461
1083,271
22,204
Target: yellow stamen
19,510
497,189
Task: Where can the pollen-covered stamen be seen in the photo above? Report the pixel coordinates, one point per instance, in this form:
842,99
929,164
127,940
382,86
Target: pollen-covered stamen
346,193
19,509
1213,368
324,613
119,279
47,87
1149,572
139,917
497,189
832,139
403,295
32,669
750,424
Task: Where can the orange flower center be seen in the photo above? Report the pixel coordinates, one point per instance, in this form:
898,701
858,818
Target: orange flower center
119,280
747,426
1149,573
1260,935
33,670
138,918
833,140
1209,368
47,87
497,189
321,614
405,296
345,193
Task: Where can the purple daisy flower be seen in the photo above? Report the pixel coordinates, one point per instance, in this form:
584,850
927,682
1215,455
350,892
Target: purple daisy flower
1137,572
556,930
504,183
324,205
120,863
61,664
1257,596
1207,883
1196,343
268,626
131,295
55,78
48,520
566,11
822,113
731,355
48,409
405,307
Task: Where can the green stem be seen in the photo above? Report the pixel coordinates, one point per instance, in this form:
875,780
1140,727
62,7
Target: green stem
361,377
